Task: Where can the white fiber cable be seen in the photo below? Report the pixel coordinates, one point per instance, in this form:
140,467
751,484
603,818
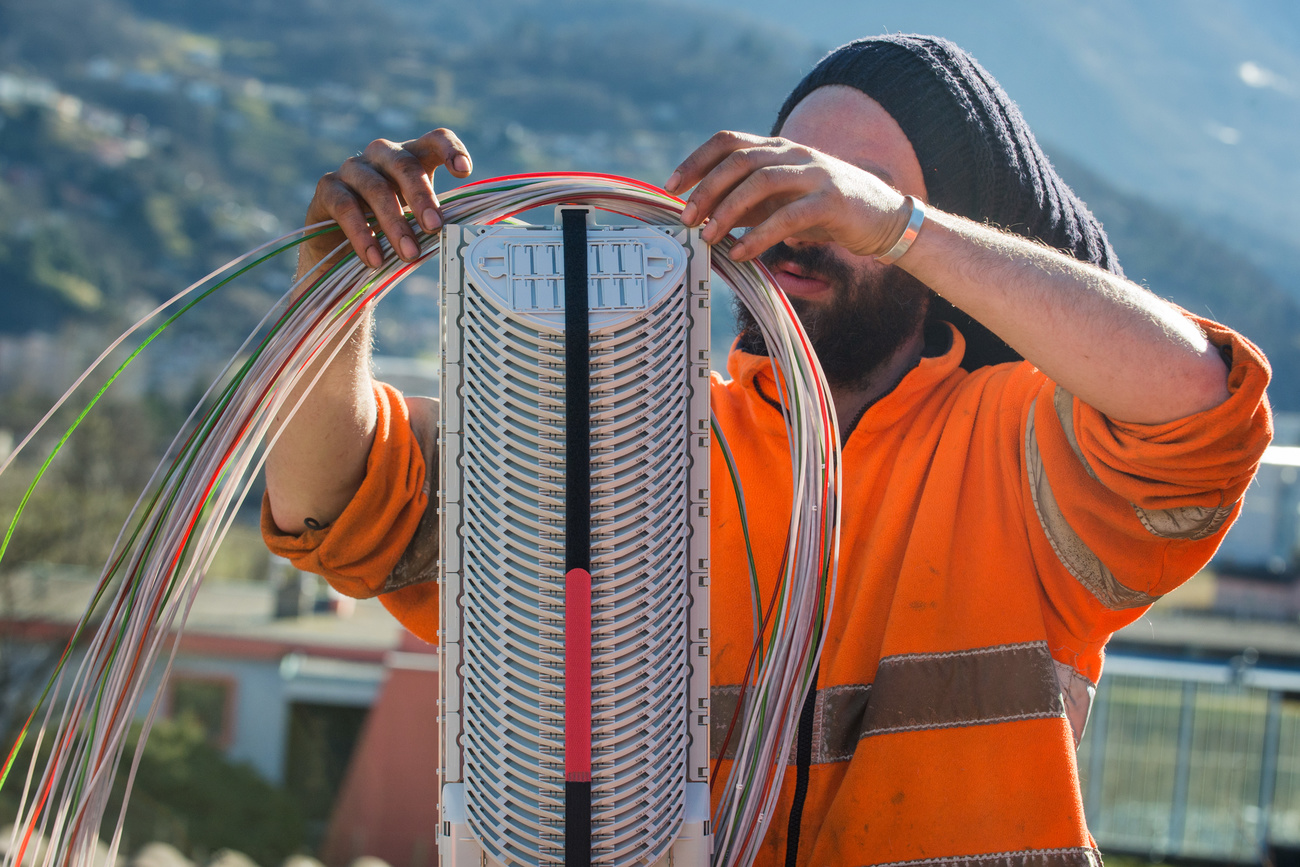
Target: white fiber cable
150,582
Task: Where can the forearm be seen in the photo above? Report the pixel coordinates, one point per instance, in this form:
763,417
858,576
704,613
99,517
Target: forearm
1111,343
319,459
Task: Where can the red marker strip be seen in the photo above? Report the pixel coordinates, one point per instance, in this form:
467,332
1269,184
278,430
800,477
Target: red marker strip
577,676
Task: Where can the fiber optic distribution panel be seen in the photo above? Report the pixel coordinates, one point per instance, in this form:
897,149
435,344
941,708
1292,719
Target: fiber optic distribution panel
573,450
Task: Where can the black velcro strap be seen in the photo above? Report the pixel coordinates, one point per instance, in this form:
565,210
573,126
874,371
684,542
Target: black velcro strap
577,488
577,394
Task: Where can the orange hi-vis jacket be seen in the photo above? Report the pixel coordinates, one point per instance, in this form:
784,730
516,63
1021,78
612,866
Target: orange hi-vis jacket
996,531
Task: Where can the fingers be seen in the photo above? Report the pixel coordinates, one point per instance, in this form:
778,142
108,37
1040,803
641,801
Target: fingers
378,194
406,179
748,181
411,166
799,218
755,195
706,157
442,147
381,180
783,190
336,200
745,179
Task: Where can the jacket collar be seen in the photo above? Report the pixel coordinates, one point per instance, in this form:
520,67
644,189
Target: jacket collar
755,375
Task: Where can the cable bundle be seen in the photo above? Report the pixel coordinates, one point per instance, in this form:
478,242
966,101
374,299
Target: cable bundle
790,631
177,525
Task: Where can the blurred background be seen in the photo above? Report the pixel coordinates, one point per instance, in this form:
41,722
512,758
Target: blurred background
145,142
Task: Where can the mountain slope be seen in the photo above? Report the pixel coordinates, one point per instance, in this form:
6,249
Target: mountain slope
145,142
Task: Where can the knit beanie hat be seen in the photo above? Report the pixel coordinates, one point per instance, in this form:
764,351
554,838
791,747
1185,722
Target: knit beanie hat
979,159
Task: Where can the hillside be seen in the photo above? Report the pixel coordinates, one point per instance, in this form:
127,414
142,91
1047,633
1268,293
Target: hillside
143,143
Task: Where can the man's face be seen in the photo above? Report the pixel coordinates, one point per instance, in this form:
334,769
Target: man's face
856,312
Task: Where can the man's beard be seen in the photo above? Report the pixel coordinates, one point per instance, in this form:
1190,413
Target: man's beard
868,318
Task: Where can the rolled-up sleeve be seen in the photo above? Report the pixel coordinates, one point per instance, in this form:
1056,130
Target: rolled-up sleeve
385,543
1132,510
363,553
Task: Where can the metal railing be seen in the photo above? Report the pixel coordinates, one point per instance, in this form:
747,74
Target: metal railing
1193,760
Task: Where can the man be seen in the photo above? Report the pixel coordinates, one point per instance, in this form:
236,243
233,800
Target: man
999,524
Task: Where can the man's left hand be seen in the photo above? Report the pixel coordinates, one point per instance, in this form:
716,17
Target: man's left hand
786,190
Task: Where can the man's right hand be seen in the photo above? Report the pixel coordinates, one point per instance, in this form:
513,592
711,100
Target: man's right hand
380,181
319,459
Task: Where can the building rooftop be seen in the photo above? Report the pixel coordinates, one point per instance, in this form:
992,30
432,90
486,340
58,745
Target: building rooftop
52,598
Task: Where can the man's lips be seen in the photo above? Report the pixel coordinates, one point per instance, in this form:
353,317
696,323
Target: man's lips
797,281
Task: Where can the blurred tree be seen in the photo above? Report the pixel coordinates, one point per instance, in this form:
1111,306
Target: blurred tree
188,794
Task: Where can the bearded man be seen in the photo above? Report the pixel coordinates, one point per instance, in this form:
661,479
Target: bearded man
1035,449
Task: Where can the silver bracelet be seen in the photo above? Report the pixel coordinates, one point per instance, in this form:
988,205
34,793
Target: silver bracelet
904,242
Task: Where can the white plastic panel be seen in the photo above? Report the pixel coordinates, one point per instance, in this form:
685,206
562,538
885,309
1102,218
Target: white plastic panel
502,495
628,269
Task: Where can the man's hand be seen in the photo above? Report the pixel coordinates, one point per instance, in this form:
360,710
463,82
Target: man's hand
786,190
319,461
380,181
